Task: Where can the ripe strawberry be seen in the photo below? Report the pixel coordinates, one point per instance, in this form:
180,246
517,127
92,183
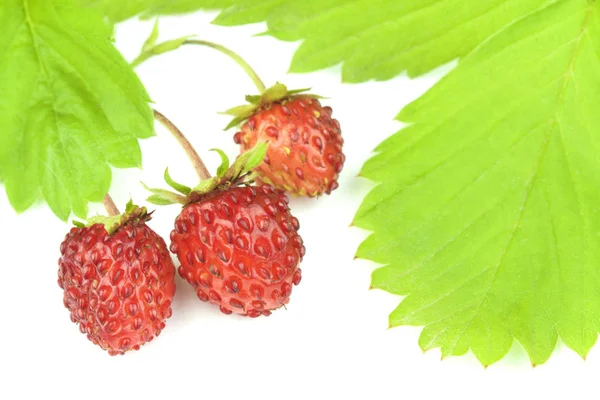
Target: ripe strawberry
118,280
305,144
305,156
237,245
240,249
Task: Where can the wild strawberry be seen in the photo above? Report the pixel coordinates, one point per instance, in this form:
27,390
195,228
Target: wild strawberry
240,249
118,280
237,245
305,154
305,143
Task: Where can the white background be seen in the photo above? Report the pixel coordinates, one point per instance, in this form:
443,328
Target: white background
332,342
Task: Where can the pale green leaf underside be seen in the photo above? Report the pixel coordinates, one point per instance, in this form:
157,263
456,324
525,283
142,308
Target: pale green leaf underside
70,106
487,216
374,39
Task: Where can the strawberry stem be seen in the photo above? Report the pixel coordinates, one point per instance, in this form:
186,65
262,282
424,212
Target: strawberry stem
185,144
157,49
110,206
260,86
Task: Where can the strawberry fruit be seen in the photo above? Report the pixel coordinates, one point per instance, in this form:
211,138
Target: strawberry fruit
118,280
240,249
238,245
305,143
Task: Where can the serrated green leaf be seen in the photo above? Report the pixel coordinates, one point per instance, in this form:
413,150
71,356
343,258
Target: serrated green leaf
120,10
487,213
73,106
221,169
374,39
175,185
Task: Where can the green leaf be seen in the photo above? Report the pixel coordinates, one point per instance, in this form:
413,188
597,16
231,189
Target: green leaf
177,186
374,39
224,162
379,39
486,216
120,10
70,106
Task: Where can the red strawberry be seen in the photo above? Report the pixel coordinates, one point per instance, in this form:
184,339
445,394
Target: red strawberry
240,249
305,144
118,281
237,245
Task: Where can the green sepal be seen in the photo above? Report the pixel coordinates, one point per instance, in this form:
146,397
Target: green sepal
175,185
224,162
253,99
296,91
133,213
166,196
275,93
240,111
235,122
159,201
151,41
238,173
252,158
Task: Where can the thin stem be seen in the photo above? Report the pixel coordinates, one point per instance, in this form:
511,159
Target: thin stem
185,144
140,59
156,50
110,206
236,57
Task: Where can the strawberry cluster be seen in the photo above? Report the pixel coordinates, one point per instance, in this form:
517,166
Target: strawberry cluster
235,238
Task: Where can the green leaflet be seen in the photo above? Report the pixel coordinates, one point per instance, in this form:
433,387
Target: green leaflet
120,10
72,106
488,211
374,39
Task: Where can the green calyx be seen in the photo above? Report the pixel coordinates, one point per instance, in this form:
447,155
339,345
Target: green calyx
238,173
132,214
276,93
